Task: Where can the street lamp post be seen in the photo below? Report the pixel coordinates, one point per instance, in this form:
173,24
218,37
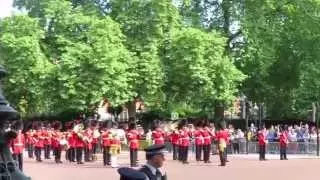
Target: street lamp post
8,167
246,116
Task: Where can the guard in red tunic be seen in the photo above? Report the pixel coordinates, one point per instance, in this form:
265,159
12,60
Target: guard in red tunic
222,137
283,144
174,138
133,140
106,136
71,152
78,136
185,135
18,144
30,142
158,134
199,140
39,145
95,138
262,144
55,142
207,140
87,138
46,132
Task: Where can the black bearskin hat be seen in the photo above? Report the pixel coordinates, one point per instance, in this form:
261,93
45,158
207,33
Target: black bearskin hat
132,126
36,125
182,123
57,125
93,123
156,124
17,125
198,123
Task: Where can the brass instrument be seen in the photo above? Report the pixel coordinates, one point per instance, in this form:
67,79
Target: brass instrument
96,133
78,129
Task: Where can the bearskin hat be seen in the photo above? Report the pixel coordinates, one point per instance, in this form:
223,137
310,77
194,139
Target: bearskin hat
27,125
206,123
156,124
57,125
182,123
17,125
132,126
68,125
93,123
198,123
36,125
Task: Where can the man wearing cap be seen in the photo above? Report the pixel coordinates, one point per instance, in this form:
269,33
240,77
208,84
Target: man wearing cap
155,158
131,174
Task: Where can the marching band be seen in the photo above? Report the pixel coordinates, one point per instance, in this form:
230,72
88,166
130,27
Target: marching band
81,141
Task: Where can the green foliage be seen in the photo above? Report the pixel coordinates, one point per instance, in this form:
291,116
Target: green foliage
198,71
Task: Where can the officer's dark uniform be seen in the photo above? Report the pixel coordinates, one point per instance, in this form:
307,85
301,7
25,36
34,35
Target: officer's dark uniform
152,151
131,174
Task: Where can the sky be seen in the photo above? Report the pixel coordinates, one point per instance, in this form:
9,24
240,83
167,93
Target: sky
5,8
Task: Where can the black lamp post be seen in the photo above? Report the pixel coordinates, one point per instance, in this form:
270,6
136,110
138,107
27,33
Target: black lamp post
8,167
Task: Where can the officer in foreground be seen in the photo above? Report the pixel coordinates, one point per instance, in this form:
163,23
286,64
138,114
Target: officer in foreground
131,174
155,158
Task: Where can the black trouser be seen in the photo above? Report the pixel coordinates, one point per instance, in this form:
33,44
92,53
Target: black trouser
206,152
133,157
19,159
79,154
198,152
184,153
47,151
175,151
262,152
37,152
283,152
57,155
236,148
222,157
71,155
30,150
106,155
94,148
87,154
180,148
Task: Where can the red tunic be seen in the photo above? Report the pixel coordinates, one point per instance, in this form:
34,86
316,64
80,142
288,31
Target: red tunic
283,139
158,136
207,136
222,135
88,139
174,137
133,139
184,138
39,140
71,140
47,137
18,144
105,139
261,138
55,140
199,139
78,141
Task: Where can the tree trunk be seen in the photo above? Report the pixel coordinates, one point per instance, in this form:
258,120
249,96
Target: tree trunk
131,109
219,112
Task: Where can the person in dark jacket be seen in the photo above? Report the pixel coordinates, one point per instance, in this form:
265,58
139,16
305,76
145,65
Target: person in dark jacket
131,174
155,159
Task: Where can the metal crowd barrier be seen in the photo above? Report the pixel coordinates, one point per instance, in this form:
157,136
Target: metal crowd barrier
309,148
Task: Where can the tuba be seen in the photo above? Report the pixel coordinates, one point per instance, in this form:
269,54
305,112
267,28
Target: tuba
78,130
